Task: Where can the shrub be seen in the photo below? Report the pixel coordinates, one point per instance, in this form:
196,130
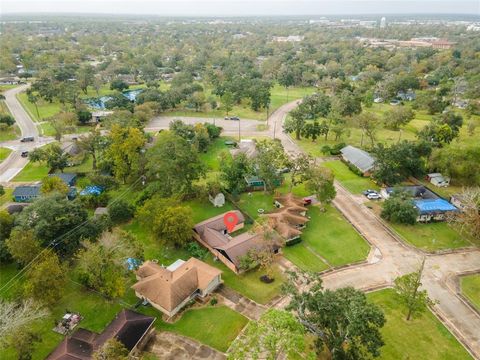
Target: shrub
120,211
195,250
399,208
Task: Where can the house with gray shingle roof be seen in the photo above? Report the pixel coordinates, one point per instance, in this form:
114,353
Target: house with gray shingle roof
358,158
26,193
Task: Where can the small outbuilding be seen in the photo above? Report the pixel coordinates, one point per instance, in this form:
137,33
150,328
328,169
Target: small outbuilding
359,159
438,180
217,200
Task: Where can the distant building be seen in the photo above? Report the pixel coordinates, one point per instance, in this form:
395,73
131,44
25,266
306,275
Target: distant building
289,38
438,180
358,158
383,23
26,193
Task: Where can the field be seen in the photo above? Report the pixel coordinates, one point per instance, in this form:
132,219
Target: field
7,197
431,236
33,171
471,288
423,337
11,133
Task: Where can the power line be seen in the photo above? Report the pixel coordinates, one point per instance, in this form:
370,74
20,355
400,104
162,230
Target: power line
54,242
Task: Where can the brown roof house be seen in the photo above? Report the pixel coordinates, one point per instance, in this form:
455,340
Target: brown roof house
130,328
168,289
213,234
289,218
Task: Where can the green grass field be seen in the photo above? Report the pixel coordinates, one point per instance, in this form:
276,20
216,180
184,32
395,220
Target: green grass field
432,236
353,182
471,288
45,108
34,171
329,236
215,326
423,337
7,197
9,134
4,152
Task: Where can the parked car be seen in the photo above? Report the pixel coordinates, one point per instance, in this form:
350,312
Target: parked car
395,102
369,191
374,196
27,139
232,118
24,154
307,201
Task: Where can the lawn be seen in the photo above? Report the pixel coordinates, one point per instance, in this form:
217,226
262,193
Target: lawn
353,182
424,337
212,157
215,326
202,209
7,197
45,108
33,171
251,202
4,152
10,134
431,236
329,236
471,288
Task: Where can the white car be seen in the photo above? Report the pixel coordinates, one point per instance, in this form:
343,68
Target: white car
374,196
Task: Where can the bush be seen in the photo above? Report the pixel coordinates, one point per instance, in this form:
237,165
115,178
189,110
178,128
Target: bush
2,190
120,211
195,250
214,301
107,182
400,208
7,119
84,116
94,201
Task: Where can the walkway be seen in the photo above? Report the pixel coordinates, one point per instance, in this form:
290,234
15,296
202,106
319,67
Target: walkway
241,304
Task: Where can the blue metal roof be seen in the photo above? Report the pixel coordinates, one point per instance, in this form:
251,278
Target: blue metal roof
426,206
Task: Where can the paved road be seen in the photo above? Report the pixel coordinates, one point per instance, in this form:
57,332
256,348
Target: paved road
12,165
392,257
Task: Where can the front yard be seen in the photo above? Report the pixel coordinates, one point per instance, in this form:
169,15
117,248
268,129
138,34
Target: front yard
431,236
423,337
470,286
351,181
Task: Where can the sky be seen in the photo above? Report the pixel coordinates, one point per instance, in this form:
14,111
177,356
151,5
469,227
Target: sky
242,8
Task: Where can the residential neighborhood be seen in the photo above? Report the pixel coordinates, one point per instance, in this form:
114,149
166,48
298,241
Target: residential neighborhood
257,185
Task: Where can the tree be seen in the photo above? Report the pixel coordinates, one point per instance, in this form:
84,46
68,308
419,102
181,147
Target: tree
172,165
227,102
33,99
399,161
271,158
94,144
234,170
398,116
113,349
23,341
167,220
320,182
85,77
23,246
468,220
101,264
125,151
53,155
347,104
62,123
400,208
277,333
53,184
408,290
2,190
120,211
296,122
84,116
15,316
119,85
299,168
6,119
46,279
312,130
368,123
6,226
342,320
52,219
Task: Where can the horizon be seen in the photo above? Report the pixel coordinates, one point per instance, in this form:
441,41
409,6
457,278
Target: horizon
236,8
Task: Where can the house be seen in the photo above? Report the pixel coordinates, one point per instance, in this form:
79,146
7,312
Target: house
68,178
289,218
438,180
213,234
98,116
169,289
132,329
217,200
358,158
430,206
26,193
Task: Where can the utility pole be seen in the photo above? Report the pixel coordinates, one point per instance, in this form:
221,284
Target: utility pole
274,129
238,130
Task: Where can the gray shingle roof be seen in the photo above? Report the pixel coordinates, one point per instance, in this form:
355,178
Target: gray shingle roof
27,191
361,159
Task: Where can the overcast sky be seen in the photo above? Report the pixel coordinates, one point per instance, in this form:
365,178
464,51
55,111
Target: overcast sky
241,8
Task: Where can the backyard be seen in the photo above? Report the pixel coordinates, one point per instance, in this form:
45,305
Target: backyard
351,181
470,286
420,338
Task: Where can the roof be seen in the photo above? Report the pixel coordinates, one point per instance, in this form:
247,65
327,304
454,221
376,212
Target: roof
361,159
427,206
216,222
28,191
66,177
288,217
170,288
240,245
128,327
